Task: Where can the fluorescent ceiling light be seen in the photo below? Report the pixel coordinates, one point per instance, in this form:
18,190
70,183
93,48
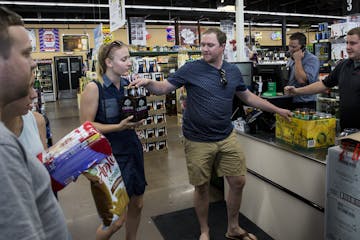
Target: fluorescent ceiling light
150,21
54,4
227,8
59,4
63,20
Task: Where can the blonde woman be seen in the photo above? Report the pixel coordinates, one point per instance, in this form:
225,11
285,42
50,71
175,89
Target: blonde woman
100,104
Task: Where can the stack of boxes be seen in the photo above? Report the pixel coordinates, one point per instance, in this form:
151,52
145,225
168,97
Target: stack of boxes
342,209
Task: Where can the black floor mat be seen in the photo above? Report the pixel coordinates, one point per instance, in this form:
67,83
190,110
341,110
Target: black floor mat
183,224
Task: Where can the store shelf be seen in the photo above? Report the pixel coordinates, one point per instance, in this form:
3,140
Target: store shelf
156,53
328,99
155,112
153,139
152,125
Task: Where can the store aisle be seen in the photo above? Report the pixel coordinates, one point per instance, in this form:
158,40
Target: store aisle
168,188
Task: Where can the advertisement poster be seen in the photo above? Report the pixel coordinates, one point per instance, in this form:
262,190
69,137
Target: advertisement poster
138,31
117,14
170,34
98,37
107,35
189,35
227,26
49,40
32,37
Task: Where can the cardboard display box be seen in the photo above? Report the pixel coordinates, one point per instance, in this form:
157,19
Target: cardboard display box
342,208
306,133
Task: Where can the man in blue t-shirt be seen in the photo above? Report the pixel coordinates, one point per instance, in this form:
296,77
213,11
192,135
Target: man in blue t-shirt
209,138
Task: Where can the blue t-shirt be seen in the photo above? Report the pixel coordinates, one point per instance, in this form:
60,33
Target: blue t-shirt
207,117
311,67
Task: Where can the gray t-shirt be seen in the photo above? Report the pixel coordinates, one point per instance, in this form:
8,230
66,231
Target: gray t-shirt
28,208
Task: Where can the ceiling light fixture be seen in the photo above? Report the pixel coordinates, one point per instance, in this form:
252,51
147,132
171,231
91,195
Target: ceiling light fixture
58,4
53,4
149,21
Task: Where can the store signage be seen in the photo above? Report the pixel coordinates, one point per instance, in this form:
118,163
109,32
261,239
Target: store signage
188,35
98,37
275,36
227,26
170,33
49,40
75,43
138,31
32,37
117,14
352,6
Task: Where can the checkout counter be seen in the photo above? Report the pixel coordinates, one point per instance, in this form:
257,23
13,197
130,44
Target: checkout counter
285,185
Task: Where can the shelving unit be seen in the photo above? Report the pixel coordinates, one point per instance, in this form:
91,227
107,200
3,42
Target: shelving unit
153,134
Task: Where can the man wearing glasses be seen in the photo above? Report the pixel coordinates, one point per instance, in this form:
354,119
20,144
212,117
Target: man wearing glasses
209,137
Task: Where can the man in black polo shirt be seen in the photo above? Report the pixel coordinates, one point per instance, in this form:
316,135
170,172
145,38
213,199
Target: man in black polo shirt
346,75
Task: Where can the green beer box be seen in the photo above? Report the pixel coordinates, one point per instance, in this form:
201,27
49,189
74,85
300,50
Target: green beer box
318,133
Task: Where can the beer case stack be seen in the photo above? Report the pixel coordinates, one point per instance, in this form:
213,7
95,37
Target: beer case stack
318,133
153,134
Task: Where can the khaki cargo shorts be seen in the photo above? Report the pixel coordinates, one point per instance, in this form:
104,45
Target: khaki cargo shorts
225,156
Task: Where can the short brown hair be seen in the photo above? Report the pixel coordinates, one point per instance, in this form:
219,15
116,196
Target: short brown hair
354,31
7,19
300,37
220,35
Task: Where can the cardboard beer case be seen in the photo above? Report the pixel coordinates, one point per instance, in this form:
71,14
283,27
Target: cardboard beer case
317,133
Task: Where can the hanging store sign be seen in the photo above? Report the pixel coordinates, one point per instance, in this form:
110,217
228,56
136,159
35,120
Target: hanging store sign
138,31
49,40
32,37
227,26
189,35
107,35
98,37
352,6
170,34
117,14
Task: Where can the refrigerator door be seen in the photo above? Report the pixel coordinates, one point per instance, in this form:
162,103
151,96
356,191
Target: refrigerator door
46,78
68,72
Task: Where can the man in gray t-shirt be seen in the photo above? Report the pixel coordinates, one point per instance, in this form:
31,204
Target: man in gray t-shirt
28,208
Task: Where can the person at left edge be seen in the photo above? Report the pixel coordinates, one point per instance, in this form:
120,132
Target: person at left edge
28,207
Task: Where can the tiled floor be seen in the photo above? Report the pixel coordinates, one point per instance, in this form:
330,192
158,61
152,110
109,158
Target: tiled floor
168,188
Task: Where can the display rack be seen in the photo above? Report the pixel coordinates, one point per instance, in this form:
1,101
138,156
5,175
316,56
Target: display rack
153,134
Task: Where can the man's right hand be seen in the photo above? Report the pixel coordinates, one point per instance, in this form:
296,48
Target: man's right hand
290,90
140,82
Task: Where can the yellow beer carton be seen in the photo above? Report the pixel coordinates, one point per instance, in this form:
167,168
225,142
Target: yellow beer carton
317,133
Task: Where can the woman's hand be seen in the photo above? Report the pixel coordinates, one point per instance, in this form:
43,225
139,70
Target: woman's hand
128,124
